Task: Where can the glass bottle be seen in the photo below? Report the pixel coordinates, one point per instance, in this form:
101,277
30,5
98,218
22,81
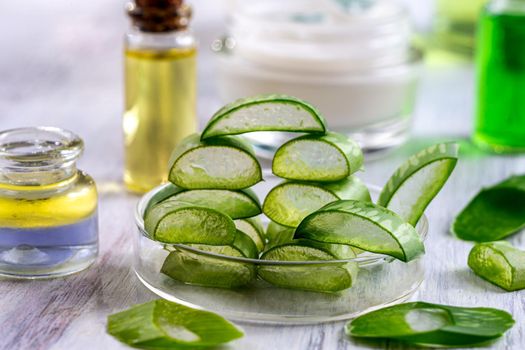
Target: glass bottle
48,208
500,114
160,89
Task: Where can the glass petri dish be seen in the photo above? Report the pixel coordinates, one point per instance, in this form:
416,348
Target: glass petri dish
381,281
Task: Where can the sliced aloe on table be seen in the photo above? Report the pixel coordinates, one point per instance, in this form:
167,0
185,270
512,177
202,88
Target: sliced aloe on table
330,157
329,277
265,113
161,324
427,324
418,180
363,225
179,222
221,163
200,269
494,213
499,263
291,201
238,204
254,229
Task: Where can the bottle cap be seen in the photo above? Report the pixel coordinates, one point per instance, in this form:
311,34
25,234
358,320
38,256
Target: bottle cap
159,15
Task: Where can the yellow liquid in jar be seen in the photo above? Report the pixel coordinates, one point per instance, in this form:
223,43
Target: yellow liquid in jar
59,204
160,88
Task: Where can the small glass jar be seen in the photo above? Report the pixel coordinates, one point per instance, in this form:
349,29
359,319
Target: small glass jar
356,65
48,208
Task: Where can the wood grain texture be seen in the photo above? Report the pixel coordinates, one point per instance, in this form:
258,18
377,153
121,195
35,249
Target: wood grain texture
61,65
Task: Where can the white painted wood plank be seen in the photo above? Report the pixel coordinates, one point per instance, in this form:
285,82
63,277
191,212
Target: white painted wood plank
61,66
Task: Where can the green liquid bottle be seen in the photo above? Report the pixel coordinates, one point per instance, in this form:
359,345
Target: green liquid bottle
500,115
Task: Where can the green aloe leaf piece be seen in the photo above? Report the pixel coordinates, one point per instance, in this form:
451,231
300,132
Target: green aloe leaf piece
222,163
254,229
204,270
330,157
265,113
432,324
329,277
161,324
499,263
363,225
418,180
237,204
180,222
494,213
278,234
291,201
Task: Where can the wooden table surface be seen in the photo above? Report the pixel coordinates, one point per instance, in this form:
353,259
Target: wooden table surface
60,64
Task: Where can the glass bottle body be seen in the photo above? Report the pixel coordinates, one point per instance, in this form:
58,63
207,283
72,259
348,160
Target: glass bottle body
48,208
500,114
160,102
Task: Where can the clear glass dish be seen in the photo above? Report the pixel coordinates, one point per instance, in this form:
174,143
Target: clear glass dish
381,281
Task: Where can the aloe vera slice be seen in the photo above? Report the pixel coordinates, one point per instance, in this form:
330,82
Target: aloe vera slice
199,269
265,113
429,324
222,163
161,324
363,225
418,180
494,213
237,204
179,222
253,228
499,263
330,157
329,277
291,201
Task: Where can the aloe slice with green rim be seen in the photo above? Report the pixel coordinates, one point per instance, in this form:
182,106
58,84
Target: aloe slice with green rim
363,225
499,263
199,269
330,157
222,163
418,180
329,277
494,213
428,324
179,222
291,201
238,204
265,113
161,324
254,229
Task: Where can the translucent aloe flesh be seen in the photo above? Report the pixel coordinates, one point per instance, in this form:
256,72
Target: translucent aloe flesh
329,157
265,113
365,226
161,324
432,324
330,277
290,202
221,163
237,204
418,180
179,222
494,213
499,263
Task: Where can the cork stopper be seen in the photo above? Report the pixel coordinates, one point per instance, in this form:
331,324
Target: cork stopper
159,15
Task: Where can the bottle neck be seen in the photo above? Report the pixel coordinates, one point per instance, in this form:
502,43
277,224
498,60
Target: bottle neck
39,156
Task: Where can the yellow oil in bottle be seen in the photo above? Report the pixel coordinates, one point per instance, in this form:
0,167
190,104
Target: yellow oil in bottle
59,204
160,98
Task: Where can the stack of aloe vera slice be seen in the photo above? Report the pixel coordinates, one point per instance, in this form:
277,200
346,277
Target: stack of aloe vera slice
320,212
